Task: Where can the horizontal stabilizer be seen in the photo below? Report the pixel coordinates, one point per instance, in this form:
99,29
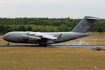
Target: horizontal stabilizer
93,18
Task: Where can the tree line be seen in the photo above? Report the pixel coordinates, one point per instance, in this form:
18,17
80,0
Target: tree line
45,24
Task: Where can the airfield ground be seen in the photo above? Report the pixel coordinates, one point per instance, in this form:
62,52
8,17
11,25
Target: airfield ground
54,58
51,58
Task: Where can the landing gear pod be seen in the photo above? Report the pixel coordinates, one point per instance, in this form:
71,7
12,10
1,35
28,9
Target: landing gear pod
25,37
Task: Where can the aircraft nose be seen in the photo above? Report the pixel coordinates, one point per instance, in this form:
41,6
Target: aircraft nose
5,37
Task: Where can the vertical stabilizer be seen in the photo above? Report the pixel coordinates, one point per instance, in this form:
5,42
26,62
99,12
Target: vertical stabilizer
85,24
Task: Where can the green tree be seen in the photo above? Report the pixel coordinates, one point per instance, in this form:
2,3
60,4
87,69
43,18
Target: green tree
2,28
22,28
100,30
29,28
7,29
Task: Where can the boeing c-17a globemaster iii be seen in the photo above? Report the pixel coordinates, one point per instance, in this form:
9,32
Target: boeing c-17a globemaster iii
46,38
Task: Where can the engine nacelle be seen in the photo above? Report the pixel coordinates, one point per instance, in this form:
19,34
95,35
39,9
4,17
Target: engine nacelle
33,38
25,37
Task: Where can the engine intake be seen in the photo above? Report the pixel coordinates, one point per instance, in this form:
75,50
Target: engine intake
33,38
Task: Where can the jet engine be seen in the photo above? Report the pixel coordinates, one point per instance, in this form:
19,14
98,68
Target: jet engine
33,38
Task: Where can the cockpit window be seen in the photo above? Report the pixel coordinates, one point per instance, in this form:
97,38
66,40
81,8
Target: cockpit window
7,34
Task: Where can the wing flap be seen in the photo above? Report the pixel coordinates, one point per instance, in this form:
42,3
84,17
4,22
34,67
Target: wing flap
47,36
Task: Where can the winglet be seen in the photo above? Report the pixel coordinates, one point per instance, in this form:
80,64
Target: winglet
59,36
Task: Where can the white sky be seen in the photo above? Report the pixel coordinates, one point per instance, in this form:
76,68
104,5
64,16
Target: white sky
52,8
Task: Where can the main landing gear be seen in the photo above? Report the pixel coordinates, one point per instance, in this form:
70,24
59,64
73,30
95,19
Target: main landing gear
44,45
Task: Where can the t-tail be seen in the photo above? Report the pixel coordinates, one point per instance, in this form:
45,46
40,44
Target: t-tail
85,24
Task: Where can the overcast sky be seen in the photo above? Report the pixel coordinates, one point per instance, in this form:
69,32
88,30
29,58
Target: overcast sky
52,8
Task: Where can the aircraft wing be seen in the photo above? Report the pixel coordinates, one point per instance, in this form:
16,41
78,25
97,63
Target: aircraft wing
47,36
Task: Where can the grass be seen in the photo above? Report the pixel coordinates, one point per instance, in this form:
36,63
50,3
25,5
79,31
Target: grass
51,58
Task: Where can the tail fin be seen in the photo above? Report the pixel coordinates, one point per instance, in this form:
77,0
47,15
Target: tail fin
85,24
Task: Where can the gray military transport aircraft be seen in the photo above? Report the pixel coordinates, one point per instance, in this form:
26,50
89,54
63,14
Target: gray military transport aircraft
46,38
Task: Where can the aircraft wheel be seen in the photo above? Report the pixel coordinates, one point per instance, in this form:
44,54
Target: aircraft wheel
8,44
45,44
40,44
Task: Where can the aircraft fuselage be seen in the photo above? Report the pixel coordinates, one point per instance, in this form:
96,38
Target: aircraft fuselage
17,37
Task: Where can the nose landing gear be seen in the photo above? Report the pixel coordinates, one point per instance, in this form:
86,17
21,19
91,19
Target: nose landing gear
8,43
